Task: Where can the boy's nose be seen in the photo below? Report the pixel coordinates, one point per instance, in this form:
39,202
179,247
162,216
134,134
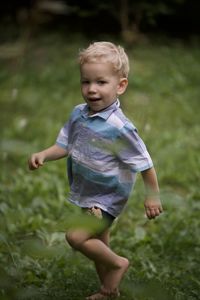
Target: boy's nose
92,88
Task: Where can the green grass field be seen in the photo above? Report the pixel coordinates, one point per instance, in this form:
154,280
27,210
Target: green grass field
39,84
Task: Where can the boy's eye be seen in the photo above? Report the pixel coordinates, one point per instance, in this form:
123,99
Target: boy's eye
84,81
101,82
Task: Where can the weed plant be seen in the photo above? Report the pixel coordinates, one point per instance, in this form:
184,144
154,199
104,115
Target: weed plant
39,84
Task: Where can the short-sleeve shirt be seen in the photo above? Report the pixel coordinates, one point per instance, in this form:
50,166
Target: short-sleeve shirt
104,154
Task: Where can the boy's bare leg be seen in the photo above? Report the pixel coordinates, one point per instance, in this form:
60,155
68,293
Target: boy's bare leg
102,270
100,253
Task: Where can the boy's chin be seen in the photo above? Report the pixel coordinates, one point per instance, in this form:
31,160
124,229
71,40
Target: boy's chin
96,109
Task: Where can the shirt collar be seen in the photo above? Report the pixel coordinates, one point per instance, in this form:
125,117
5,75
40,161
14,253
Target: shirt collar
104,114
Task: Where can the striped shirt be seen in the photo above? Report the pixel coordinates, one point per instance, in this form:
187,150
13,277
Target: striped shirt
104,154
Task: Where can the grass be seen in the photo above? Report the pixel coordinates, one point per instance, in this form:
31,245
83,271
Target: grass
39,85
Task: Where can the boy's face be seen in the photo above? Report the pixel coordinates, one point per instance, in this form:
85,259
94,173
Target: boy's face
100,85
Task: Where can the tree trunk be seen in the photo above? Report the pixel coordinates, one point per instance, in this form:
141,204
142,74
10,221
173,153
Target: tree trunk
130,31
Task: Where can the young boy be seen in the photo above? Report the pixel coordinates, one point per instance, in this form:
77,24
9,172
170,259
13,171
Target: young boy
104,154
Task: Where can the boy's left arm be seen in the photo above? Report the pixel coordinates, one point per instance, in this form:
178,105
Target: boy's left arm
152,204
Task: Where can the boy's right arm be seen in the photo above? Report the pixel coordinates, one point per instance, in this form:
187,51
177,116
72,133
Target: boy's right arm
52,153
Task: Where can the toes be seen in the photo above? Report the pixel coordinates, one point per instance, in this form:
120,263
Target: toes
110,293
97,296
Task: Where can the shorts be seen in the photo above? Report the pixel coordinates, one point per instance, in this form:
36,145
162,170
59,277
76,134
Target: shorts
100,214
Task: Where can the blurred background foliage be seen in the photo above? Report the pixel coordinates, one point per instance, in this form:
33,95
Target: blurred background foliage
131,19
39,84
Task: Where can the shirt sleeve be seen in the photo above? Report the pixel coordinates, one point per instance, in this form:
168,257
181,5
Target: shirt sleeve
133,151
62,138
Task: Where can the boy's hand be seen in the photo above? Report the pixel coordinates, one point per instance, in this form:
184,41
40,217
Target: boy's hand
153,207
52,153
35,161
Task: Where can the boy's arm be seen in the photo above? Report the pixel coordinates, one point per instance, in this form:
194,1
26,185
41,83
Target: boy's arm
52,153
152,203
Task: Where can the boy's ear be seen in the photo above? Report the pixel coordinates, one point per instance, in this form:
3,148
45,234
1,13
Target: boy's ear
123,83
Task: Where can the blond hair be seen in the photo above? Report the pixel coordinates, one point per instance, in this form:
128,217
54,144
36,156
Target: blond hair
106,52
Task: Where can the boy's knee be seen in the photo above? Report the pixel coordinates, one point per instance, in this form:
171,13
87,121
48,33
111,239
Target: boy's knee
74,239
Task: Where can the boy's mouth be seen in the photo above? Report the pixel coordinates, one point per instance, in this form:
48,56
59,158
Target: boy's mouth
94,99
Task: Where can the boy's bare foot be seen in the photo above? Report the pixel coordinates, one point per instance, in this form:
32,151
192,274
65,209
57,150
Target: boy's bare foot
103,295
112,281
97,296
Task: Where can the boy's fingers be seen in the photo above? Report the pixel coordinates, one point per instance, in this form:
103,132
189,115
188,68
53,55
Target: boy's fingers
32,165
40,162
149,215
35,163
152,212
